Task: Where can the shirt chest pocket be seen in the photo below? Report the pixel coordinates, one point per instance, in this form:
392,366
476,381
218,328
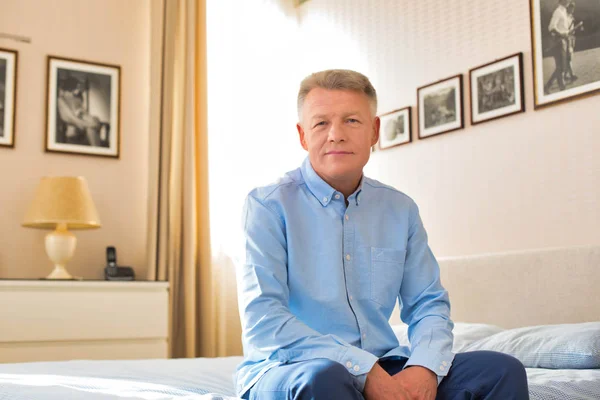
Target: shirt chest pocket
387,267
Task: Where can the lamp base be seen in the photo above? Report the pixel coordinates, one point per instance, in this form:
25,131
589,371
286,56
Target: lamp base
59,272
60,246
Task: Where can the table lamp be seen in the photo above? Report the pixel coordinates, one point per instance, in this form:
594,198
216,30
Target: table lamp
61,203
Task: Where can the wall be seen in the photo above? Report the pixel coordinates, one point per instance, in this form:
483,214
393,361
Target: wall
526,181
109,31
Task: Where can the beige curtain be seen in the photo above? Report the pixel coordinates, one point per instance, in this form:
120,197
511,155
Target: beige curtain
179,244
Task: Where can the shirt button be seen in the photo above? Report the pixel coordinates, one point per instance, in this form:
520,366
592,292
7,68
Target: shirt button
356,368
442,367
364,335
337,196
351,297
348,257
347,218
324,199
349,364
444,363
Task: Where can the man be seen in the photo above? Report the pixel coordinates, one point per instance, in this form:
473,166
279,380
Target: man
327,253
80,126
559,31
571,43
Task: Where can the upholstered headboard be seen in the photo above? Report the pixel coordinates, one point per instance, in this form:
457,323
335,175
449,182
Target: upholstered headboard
533,287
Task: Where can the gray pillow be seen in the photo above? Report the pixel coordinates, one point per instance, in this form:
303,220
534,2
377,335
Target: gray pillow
565,346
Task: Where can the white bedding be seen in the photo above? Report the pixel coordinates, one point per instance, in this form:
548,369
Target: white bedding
200,378
204,378
555,384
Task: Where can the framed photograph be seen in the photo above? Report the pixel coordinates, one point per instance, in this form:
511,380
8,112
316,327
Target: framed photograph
8,96
497,89
440,107
565,37
83,107
395,128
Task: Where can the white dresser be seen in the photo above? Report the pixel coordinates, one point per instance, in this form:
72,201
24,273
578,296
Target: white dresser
92,320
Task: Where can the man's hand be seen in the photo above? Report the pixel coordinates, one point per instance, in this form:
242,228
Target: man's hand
419,382
380,386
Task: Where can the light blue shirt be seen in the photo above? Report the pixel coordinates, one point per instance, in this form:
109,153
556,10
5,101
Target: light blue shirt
320,279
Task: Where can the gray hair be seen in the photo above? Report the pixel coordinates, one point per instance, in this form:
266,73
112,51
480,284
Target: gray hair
337,79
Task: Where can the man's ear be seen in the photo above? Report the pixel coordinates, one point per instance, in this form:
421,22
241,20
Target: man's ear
376,126
301,136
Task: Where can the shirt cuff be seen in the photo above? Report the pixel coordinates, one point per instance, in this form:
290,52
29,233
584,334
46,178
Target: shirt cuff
358,361
437,362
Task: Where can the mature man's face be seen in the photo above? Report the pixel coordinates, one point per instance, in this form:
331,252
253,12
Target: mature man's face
338,130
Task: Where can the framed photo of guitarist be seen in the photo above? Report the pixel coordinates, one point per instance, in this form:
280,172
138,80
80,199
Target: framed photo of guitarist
565,38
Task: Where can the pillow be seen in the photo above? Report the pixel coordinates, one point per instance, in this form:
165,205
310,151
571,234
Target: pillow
565,346
467,333
464,334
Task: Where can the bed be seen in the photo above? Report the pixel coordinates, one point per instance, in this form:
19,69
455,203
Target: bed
535,292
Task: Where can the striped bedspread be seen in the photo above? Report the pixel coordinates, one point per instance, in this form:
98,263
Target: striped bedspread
204,378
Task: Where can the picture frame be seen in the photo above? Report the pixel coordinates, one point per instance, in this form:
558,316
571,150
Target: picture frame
83,104
396,128
9,61
440,106
564,64
497,89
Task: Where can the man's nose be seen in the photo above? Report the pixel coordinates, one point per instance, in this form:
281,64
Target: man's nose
336,133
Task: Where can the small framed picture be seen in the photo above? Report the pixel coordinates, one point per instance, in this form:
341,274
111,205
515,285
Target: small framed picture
83,107
8,96
565,38
395,128
497,89
440,107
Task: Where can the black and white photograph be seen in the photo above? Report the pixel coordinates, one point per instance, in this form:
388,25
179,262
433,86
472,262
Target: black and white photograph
83,107
8,93
440,107
497,89
395,128
565,37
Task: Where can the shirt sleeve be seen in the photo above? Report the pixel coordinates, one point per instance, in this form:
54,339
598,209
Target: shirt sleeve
269,329
555,22
425,306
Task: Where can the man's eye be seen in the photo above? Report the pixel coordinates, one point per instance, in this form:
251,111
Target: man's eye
322,123
352,120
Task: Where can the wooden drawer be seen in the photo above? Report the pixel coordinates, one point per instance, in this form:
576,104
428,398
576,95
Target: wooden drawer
44,320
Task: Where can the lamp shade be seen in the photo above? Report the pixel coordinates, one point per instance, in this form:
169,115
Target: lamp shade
62,200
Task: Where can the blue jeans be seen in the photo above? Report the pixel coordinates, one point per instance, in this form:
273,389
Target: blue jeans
473,375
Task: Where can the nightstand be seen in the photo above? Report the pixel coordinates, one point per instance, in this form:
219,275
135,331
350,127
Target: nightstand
44,320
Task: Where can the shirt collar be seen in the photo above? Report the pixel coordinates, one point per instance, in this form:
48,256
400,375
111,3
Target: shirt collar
357,196
321,189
